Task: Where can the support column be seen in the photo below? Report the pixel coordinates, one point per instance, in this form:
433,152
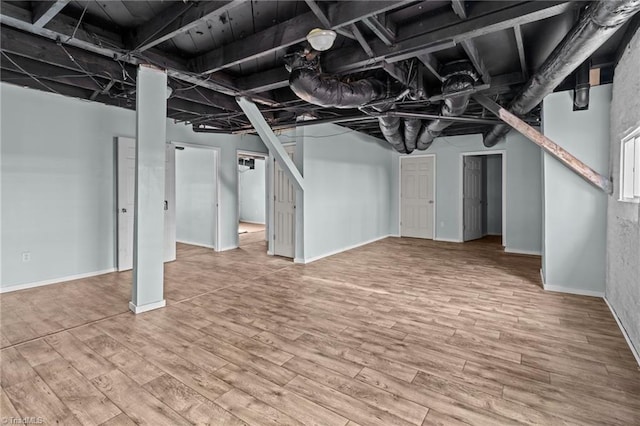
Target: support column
148,241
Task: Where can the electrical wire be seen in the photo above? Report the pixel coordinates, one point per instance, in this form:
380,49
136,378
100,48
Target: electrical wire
29,74
78,24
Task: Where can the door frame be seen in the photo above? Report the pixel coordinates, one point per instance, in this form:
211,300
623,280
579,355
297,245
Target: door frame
501,152
267,190
435,195
216,163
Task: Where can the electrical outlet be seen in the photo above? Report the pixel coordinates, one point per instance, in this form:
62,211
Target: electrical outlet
26,256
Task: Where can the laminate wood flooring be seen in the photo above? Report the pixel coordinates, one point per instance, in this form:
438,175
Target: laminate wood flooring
398,332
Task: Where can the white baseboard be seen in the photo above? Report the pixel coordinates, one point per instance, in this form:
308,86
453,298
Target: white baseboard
148,307
250,221
55,280
228,248
331,253
624,332
448,240
395,235
269,253
192,243
518,251
569,290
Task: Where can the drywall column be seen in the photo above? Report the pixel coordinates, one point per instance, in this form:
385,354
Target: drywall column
575,212
148,240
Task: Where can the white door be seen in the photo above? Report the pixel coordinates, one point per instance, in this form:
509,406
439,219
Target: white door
126,188
284,214
416,197
126,191
472,198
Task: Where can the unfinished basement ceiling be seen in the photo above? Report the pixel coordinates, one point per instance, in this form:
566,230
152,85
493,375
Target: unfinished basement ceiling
217,50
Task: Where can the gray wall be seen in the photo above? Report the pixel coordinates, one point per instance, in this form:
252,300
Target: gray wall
252,188
195,196
523,192
58,183
575,211
623,220
348,185
494,194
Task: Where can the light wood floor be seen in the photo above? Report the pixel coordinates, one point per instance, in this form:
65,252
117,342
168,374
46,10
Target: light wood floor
398,332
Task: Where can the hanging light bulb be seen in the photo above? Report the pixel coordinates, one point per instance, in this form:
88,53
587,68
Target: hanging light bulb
321,40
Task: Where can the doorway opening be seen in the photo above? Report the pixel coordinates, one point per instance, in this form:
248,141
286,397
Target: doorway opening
196,186
252,200
483,196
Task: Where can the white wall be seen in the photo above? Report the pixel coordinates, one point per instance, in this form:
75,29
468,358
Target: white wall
575,211
348,187
252,187
523,189
58,183
195,196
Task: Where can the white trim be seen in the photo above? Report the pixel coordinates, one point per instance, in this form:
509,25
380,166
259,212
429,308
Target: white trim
226,248
448,240
255,223
269,253
193,243
148,307
569,290
518,251
55,280
624,332
331,253
216,163
435,195
503,153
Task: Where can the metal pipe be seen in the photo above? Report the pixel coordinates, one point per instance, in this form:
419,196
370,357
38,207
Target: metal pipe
582,88
600,20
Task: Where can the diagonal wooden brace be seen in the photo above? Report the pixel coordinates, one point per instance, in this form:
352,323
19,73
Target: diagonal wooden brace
271,141
549,146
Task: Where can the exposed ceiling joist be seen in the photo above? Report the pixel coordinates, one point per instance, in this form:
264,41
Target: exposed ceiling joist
484,19
384,29
288,33
274,78
361,40
471,51
459,7
44,11
432,64
110,44
517,30
177,19
317,10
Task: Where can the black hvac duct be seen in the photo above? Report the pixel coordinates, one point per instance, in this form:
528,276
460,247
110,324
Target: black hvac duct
582,88
309,84
600,20
459,80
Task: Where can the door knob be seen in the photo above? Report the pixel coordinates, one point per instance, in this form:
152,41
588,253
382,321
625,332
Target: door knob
430,201
124,210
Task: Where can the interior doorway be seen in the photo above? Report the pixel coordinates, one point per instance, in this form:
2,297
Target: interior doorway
197,189
417,196
252,199
483,204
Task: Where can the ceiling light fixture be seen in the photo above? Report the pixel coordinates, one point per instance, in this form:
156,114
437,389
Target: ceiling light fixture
321,40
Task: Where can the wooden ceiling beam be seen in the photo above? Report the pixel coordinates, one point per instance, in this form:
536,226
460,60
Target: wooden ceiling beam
44,11
177,19
288,33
